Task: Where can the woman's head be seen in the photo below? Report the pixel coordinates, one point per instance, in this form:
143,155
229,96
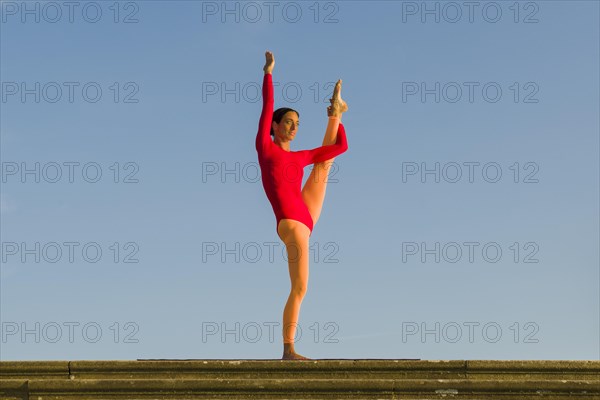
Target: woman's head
285,122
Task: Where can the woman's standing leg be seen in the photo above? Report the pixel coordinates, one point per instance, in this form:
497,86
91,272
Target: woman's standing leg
295,236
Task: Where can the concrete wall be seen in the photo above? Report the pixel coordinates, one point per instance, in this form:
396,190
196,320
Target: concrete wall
314,379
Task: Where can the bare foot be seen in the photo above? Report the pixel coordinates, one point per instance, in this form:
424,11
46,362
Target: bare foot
338,105
294,356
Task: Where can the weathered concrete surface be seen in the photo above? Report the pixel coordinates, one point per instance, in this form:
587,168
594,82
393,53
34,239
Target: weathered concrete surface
278,379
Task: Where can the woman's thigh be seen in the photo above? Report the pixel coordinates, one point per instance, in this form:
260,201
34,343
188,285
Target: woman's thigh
292,230
295,236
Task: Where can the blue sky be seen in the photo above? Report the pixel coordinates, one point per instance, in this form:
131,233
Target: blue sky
159,174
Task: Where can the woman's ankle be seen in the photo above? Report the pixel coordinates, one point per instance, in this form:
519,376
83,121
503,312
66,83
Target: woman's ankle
288,348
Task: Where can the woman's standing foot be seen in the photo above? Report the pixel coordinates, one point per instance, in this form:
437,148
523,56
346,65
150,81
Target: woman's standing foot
290,354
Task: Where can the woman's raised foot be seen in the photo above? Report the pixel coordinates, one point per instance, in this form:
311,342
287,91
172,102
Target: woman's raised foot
338,105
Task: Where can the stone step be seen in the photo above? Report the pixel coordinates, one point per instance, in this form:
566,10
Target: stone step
279,379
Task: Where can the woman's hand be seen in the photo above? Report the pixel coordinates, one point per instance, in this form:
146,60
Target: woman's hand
269,62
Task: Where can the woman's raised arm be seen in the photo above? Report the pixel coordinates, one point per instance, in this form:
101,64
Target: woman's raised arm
264,124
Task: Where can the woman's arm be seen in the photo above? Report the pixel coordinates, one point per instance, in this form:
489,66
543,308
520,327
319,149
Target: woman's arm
263,136
324,153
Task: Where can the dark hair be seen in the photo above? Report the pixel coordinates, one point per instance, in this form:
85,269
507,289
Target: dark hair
278,114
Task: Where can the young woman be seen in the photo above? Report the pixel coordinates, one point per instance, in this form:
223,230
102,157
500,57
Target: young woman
296,210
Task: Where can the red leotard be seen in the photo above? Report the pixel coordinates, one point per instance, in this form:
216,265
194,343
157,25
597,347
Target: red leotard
282,171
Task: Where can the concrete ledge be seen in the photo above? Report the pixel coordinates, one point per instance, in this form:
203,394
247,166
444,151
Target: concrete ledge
304,385
30,369
278,379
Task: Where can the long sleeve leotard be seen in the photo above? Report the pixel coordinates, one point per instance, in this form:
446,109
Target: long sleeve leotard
282,171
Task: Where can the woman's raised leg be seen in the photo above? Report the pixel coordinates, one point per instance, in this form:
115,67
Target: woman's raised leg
294,235
313,192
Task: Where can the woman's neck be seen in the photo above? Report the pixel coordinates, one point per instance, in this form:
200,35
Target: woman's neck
283,145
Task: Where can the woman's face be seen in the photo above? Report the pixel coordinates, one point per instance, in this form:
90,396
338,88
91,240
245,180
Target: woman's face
288,127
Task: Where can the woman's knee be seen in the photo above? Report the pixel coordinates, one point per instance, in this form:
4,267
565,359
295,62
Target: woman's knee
298,290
